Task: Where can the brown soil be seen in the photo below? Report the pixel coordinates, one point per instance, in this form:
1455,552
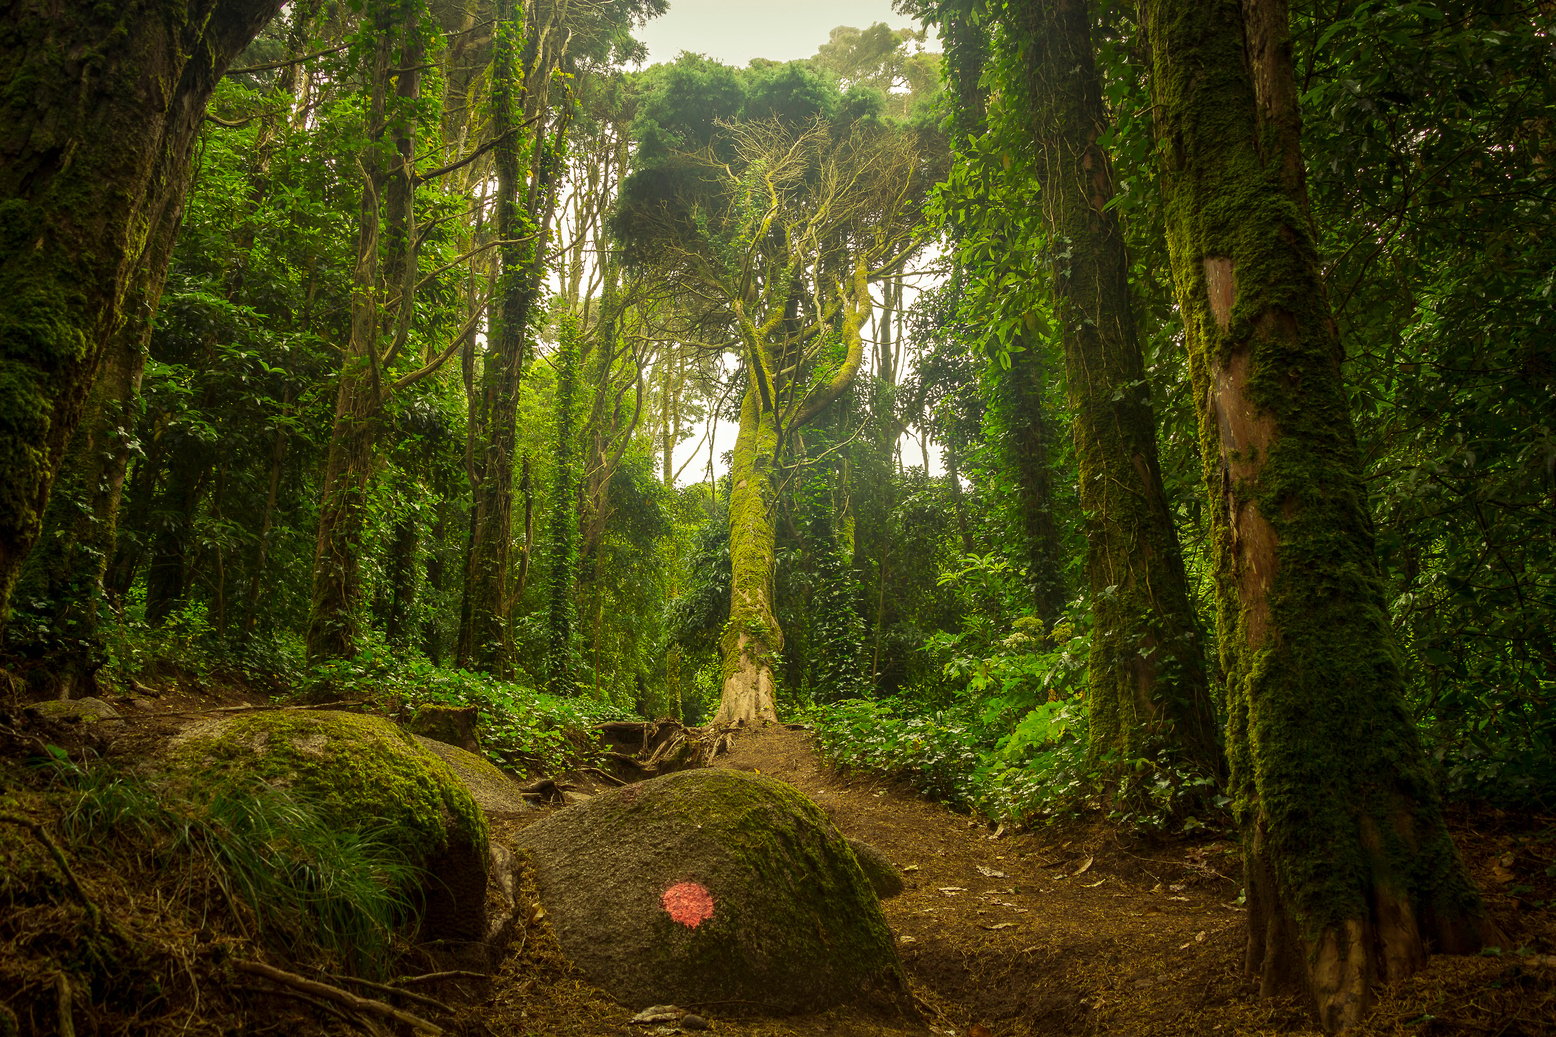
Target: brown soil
1072,931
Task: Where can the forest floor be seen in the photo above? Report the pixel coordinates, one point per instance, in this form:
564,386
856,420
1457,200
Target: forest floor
1069,930
1064,930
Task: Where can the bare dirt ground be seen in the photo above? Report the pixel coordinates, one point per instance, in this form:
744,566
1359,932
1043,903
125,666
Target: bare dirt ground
1071,931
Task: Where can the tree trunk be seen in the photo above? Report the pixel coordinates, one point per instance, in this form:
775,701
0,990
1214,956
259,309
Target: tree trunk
337,586
101,107
1350,871
752,640
382,301
61,594
562,656
334,616
1028,435
522,225
1148,692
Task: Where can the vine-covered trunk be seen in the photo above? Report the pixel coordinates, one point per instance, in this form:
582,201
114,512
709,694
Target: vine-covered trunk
382,304
561,663
101,103
1148,692
57,626
1351,874
1029,435
752,639
334,617
522,227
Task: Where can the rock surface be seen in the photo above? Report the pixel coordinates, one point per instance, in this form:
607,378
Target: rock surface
878,868
494,791
87,709
712,888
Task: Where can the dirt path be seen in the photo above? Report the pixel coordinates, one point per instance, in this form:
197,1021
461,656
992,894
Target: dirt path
1030,935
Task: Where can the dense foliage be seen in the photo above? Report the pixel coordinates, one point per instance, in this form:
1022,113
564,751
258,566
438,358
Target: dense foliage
454,289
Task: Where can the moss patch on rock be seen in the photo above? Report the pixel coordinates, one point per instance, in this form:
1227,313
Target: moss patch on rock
369,774
717,889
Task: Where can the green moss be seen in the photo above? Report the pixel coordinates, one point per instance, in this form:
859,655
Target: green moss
365,770
753,561
1329,780
795,926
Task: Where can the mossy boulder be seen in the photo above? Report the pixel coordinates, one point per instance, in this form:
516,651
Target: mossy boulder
884,877
87,709
494,791
368,774
714,888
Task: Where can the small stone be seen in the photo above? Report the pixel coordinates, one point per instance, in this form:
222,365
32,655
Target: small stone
695,1022
657,1014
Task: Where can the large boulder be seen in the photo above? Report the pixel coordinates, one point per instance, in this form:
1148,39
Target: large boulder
714,888
367,773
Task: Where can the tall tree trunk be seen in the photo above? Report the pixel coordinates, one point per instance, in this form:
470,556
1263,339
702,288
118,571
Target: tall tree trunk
169,556
382,307
101,106
752,639
1351,874
1029,436
522,226
57,627
1147,689
562,652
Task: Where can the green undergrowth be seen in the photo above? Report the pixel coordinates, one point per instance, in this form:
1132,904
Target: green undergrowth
1005,736
275,862
520,728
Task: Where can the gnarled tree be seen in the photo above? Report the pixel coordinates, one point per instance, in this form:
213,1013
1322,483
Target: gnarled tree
777,221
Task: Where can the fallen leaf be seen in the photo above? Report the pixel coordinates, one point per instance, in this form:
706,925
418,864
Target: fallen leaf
1093,885
952,890
1199,937
909,868
1085,866
999,925
990,873
1501,874
906,940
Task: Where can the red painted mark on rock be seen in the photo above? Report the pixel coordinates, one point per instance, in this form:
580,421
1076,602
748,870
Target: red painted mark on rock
688,903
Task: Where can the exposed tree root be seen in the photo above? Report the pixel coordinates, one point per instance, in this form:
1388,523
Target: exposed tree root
361,1005
649,749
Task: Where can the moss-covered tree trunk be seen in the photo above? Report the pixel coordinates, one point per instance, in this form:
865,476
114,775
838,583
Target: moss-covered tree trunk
561,662
752,639
99,105
1029,434
56,626
1148,690
1351,874
383,291
334,613
524,207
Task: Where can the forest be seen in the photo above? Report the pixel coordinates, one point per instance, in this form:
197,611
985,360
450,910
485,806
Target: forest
1090,434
